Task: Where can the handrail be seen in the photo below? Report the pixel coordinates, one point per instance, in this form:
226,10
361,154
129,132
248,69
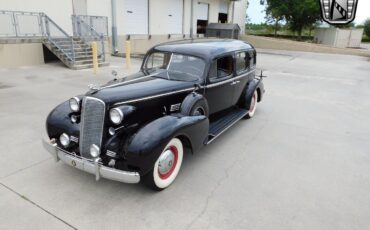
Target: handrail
48,21
93,33
49,30
100,36
56,25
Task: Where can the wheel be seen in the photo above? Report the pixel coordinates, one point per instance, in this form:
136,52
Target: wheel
253,105
166,167
194,105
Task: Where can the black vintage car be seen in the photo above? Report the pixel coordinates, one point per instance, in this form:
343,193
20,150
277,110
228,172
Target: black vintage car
136,128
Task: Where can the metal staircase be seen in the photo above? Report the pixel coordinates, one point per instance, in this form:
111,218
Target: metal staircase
74,51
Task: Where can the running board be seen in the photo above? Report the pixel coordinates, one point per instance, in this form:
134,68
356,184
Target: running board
216,128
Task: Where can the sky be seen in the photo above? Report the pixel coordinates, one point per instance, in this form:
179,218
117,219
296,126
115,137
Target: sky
257,15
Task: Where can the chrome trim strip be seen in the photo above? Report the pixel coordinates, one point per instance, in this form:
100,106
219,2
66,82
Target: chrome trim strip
125,82
184,90
215,136
155,96
82,121
169,63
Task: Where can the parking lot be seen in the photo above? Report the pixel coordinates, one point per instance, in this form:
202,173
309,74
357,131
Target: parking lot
303,161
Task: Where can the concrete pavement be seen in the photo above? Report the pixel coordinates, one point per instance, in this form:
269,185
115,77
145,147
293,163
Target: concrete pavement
303,161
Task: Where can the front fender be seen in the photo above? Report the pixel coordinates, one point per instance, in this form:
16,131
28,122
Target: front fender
148,143
59,121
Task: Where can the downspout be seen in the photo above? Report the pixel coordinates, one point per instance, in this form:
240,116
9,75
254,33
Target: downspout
233,11
191,18
114,27
148,18
183,18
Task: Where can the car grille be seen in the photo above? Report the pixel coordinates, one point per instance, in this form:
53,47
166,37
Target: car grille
92,124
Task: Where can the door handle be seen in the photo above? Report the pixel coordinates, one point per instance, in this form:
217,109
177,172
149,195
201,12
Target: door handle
234,82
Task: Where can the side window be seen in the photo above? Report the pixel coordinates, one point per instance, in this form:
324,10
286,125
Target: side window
252,58
157,61
242,62
221,68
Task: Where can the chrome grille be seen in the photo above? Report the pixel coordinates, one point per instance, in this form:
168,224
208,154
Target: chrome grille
92,124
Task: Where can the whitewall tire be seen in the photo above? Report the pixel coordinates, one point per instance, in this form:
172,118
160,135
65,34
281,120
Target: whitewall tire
253,105
167,166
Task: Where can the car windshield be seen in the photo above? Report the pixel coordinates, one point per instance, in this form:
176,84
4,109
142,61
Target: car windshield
178,66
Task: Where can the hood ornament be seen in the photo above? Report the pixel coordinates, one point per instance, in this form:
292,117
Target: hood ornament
93,87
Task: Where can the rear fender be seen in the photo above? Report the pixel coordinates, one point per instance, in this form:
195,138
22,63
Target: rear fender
255,84
148,143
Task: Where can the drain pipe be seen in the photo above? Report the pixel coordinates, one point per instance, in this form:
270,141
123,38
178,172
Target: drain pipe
114,28
191,18
232,19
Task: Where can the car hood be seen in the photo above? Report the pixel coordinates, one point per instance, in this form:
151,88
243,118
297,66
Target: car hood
136,86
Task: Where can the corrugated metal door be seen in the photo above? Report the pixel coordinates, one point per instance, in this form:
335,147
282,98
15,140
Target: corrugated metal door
224,7
175,11
135,16
201,11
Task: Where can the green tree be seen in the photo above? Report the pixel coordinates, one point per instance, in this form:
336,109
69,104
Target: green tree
367,27
273,17
297,13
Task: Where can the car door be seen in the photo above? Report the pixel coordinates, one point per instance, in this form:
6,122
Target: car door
242,74
220,87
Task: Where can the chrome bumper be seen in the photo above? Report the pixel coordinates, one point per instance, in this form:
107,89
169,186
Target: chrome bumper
87,165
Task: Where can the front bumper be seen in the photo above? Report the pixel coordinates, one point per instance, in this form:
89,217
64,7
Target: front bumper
91,166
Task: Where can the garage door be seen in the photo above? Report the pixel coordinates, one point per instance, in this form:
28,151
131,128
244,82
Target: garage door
224,6
201,17
135,16
201,11
175,9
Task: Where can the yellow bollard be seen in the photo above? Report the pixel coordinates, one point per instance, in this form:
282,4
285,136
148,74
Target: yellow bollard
95,56
128,54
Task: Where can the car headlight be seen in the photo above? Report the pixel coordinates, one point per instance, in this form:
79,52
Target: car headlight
64,140
94,150
74,104
116,116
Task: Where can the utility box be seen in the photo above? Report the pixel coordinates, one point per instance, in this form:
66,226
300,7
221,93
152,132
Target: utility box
341,38
223,30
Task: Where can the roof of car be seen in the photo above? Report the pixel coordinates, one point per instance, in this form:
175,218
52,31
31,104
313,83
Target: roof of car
203,48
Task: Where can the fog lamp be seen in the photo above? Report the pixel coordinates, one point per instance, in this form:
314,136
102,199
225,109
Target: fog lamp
94,151
64,140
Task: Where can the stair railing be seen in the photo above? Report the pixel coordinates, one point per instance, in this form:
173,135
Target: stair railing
88,34
55,35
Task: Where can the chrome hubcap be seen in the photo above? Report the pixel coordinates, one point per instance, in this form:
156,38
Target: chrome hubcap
166,161
198,111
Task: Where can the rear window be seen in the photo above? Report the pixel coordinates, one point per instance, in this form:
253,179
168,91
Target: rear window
242,62
221,68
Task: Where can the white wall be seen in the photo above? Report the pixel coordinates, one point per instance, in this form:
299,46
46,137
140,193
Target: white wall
159,14
101,8
341,38
240,12
59,11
